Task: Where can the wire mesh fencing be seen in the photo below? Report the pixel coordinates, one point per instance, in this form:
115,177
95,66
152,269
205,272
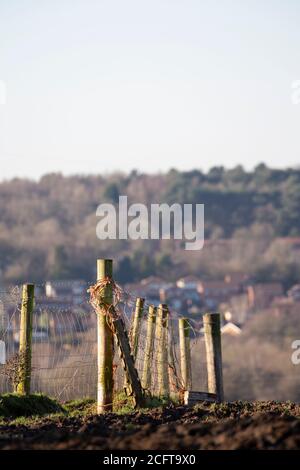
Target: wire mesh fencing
64,348
157,359
64,345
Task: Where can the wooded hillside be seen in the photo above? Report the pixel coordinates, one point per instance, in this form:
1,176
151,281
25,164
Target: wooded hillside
47,228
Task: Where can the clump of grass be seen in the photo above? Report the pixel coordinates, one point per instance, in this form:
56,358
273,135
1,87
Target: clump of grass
157,402
83,406
13,405
124,404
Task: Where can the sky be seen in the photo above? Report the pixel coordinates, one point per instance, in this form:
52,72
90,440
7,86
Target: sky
108,85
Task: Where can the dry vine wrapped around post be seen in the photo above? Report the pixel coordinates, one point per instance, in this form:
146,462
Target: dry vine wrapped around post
105,296
102,299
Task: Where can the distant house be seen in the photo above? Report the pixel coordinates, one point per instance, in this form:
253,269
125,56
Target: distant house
282,301
180,300
188,282
165,294
215,292
154,283
71,291
238,308
176,304
43,303
194,310
3,317
293,241
64,324
294,245
262,295
2,352
60,308
294,293
150,288
231,329
237,278
137,290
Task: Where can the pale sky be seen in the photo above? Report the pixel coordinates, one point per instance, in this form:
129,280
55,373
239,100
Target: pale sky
91,86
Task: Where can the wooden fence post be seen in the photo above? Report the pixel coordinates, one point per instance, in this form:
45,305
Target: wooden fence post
105,342
185,353
212,334
135,332
162,350
24,366
146,376
174,382
136,326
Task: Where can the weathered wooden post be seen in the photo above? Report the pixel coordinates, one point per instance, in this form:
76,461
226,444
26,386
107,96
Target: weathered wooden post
162,350
174,383
212,334
24,366
105,341
135,332
146,376
136,326
185,353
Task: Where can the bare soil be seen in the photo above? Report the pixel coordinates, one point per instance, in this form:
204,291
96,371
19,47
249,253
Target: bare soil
261,425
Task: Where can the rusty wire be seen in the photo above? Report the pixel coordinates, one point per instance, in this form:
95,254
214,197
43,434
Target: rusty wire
69,370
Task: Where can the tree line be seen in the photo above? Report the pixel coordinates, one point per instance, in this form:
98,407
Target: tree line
47,227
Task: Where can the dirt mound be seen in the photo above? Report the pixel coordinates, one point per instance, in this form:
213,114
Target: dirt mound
226,426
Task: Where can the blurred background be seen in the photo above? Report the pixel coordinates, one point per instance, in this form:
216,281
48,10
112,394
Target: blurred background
162,101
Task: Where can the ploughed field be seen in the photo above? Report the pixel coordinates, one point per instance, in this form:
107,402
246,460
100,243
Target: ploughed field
238,425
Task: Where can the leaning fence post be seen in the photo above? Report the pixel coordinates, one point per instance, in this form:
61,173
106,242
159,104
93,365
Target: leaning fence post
185,353
24,373
212,334
105,341
162,350
146,376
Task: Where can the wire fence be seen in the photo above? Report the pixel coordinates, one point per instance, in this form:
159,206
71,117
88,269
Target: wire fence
64,344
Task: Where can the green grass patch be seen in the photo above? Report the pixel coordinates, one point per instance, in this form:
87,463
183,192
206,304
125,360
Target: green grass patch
83,406
13,405
124,404
157,402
